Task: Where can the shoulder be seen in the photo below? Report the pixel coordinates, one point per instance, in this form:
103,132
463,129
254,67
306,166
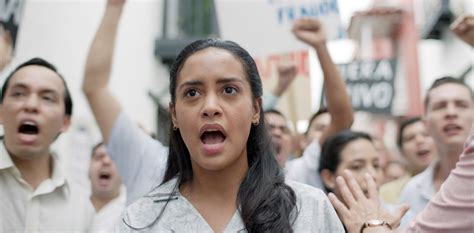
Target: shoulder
305,192
309,200
147,209
78,196
314,211
415,181
411,190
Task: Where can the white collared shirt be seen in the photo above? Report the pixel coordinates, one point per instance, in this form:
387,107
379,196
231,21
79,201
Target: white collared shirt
305,168
55,206
420,189
418,192
108,216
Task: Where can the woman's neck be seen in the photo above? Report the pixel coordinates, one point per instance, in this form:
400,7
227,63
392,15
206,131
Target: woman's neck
214,193
218,185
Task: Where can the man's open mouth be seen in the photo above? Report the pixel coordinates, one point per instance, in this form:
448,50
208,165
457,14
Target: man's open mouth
28,127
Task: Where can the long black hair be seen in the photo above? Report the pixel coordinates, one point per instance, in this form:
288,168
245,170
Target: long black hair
266,202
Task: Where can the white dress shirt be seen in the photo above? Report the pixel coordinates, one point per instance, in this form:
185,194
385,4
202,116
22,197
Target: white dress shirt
108,216
418,192
305,168
55,206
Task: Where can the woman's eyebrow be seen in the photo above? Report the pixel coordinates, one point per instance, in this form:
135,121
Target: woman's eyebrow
190,83
229,80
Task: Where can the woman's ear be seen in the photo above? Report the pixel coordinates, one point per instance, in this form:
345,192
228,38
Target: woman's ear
328,178
257,106
172,110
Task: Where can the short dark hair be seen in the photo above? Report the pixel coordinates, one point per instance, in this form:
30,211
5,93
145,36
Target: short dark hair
95,147
442,81
274,111
321,111
41,62
405,123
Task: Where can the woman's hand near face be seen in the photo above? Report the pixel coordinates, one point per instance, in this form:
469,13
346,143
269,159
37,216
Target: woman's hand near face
359,209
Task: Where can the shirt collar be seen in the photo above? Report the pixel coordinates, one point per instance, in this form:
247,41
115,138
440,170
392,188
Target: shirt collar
57,179
5,160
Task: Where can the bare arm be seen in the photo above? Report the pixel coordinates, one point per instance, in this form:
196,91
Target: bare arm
339,106
286,75
5,48
104,105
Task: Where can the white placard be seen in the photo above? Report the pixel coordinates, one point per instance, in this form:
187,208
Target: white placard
263,27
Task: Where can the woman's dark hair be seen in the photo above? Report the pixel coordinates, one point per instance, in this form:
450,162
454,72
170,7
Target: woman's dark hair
403,125
332,148
266,202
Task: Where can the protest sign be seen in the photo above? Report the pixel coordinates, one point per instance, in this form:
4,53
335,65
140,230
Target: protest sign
371,84
263,27
10,14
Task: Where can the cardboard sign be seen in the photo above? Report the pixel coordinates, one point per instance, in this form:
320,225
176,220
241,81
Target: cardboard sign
263,27
10,14
371,84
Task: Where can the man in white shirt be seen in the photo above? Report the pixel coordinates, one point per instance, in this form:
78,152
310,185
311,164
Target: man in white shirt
449,114
36,196
108,194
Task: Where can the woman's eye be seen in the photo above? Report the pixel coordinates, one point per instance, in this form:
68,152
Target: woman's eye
230,90
355,167
191,93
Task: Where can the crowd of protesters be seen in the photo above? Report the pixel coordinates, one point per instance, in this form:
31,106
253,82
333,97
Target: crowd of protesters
232,163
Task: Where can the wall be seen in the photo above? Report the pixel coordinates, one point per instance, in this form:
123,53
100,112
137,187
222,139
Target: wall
61,32
446,57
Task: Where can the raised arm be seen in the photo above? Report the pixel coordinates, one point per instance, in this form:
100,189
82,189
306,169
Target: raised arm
286,75
141,160
311,32
104,105
5,48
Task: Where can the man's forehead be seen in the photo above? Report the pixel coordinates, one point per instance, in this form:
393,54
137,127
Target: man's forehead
450,91
323,118
37,77
275,118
